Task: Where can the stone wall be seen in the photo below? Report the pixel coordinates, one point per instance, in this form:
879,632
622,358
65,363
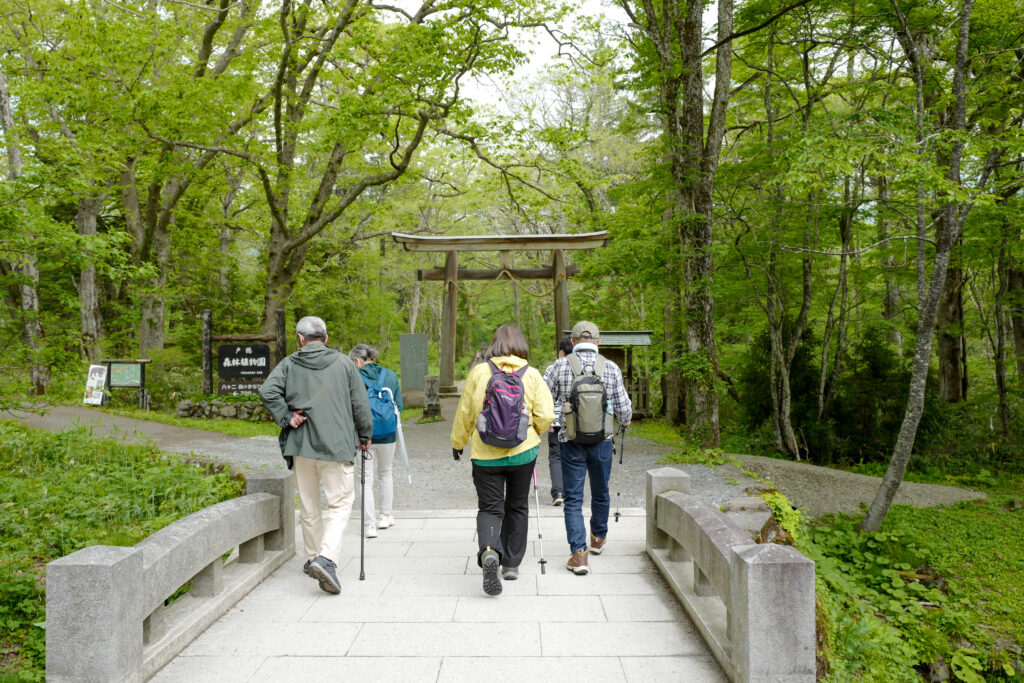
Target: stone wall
233,410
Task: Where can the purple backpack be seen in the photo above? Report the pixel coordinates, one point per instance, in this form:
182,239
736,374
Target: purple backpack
504,421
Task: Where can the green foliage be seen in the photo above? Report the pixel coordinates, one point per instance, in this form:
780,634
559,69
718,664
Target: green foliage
65,491
686,450
244,428
894,601
863,418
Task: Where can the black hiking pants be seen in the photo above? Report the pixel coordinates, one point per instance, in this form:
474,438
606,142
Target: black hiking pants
503,510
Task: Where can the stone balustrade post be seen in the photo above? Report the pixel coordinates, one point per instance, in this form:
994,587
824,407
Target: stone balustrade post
279,483
771,625
659,481
93,625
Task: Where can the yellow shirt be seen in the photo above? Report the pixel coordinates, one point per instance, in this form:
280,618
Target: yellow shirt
537,399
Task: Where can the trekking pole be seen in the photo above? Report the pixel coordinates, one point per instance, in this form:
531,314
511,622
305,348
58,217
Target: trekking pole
364,455
618,491
540,534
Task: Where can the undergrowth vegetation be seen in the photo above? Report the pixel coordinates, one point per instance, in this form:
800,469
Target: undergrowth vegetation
936,594
65,491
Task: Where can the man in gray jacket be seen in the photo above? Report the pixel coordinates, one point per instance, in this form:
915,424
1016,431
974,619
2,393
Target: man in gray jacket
317,398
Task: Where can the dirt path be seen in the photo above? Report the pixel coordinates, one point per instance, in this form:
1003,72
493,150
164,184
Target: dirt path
438,482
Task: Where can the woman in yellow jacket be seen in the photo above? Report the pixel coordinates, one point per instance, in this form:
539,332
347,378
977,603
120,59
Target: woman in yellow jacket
502,475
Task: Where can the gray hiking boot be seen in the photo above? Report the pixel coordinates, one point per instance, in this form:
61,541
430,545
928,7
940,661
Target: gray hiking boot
490,561
510,573
322,570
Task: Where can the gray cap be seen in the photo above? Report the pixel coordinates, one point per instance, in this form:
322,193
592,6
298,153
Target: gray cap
584,329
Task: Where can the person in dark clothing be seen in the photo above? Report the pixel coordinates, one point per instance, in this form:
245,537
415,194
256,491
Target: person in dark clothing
554,448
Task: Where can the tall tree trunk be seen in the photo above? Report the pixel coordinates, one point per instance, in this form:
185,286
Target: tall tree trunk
1015,311
28,267
949,346
949,230
891,300
836,324
86,217
1000,350
673,389
414,306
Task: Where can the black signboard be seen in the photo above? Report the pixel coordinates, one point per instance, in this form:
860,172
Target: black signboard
233,388
243,361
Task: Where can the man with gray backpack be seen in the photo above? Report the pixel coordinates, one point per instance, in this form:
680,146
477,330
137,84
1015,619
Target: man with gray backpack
588,392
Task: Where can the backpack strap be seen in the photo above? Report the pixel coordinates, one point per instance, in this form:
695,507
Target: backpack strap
575,364
599,367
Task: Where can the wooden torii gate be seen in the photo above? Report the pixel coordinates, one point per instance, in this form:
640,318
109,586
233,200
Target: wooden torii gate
558,272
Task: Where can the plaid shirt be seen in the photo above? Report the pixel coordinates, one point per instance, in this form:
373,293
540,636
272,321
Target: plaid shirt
559,378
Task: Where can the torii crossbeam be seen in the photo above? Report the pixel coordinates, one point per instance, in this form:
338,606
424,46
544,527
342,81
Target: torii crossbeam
504,244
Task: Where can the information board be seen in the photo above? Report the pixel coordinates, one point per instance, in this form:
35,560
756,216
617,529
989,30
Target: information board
125,375
243,361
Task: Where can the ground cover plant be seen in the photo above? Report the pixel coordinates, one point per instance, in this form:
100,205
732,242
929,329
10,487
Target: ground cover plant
937,591
221,426
65,491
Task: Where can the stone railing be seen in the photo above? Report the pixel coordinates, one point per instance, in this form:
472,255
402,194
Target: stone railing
753,603
106,618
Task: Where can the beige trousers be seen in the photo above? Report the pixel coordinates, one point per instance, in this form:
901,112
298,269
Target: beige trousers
321,533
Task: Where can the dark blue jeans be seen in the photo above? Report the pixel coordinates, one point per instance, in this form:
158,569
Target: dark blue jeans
555,464
577,462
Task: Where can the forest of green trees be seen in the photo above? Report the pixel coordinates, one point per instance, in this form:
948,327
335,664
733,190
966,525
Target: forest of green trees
816,205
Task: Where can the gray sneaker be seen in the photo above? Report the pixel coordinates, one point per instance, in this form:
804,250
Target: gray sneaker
510,573
322,570
489,561
305,568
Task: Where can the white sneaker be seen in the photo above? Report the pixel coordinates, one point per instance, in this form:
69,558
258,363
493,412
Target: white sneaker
385,522
370,532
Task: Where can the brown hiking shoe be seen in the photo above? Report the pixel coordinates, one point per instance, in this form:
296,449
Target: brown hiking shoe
597,544
577,564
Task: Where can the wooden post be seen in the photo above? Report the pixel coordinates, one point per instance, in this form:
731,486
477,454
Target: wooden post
282,336
207,317
448,327
561,294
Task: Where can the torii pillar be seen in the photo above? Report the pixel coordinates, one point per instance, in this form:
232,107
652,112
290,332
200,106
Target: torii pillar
451,274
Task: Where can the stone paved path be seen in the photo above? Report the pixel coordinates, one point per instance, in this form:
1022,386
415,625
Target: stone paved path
421,615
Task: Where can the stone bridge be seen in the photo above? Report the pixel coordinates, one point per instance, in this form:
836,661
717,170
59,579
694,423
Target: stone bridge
680,594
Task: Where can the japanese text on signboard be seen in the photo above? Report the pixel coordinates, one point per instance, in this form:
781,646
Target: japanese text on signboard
236,361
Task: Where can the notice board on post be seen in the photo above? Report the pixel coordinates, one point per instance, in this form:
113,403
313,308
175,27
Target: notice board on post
125,375
242,368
